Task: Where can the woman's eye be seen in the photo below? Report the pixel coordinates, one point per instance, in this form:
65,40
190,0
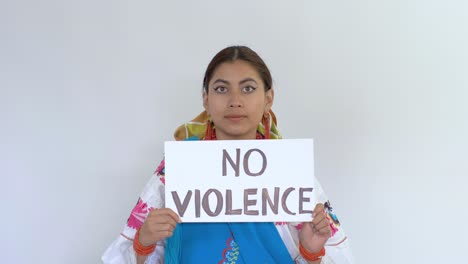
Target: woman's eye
248,89
220,89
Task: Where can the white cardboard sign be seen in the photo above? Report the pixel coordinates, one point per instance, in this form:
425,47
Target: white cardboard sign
240,180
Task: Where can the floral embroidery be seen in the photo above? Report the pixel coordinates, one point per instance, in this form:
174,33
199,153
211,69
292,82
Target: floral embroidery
161,169
280,223
298,227
138,215
230,253
162,178
334,222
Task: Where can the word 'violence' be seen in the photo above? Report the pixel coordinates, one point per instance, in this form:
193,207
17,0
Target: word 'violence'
202,201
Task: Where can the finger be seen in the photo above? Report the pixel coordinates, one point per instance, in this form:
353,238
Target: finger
164,234
163,219
319,217
164,227
160,235
321,228
326,231
324,223
318,209
160,214
154,230
171,213
154,213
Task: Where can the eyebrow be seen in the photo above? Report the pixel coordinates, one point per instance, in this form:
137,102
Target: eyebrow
241,82
247,80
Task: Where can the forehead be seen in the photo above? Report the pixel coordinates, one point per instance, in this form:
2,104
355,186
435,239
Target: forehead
236,70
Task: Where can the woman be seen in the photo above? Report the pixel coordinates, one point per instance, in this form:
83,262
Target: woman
237,97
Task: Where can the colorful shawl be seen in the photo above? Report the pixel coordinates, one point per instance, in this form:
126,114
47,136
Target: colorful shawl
196,128
233,243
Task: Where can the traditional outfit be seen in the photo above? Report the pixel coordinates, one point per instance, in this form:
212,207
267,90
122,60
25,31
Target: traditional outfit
230,243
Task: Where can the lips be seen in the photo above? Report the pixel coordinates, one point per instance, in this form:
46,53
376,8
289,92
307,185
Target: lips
235,117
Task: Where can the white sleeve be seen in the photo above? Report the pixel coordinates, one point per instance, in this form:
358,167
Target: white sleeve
337,247
121,250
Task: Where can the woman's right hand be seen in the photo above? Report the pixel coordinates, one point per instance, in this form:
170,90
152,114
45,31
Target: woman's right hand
159,224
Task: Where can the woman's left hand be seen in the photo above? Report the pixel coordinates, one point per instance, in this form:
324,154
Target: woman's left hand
315,234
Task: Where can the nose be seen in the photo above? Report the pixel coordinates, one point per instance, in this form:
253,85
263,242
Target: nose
235,101
235,105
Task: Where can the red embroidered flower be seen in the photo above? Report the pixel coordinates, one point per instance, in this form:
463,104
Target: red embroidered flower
162,179
138,215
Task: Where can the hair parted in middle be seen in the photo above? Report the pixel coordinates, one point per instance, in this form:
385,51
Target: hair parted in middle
233,53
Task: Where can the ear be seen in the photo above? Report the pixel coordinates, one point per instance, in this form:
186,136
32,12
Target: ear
269,98
205,101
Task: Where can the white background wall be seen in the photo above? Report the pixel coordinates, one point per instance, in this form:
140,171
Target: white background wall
91,89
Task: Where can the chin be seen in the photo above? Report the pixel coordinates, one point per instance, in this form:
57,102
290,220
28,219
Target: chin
241,135
238,131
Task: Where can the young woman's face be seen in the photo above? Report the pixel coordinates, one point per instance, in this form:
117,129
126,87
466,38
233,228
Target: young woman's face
236,100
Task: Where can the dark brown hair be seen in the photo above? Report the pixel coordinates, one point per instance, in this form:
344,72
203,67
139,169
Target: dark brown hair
233,53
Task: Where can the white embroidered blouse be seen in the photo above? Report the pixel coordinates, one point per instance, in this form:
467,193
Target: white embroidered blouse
121,250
